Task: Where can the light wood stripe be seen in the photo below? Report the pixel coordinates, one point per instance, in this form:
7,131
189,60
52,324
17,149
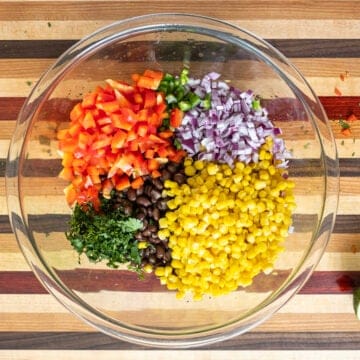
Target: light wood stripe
331,261
42,304
58,322
269,29
341,243
314,67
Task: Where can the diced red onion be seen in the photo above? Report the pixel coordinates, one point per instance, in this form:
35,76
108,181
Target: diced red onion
231,130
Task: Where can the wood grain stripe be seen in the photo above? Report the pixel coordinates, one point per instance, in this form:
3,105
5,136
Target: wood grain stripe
111,354
60,322
336,107
24,282
339,243
250,341
291,48
68,340
231,9
266,28
309,67
349,167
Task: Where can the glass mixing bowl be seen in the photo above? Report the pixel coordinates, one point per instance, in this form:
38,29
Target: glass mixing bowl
115,301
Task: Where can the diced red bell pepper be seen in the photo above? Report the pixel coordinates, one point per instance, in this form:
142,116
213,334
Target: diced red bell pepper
137,183
89,100
150,99
153,164
77,112
122,183
88,121
176,117
120,123
123,87
118,140
109,107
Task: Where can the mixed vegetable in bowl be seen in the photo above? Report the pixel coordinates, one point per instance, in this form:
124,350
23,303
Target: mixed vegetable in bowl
183,177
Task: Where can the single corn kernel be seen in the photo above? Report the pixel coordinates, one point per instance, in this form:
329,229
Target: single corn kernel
199,165
190,170
142,245
212,169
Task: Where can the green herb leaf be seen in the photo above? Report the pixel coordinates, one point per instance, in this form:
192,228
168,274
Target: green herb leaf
177,144
344,125
106,235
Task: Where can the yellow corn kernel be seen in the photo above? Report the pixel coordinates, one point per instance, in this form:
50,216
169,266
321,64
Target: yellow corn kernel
188,161
163,234
190,170
259,184
199,165
212,169
142,245
148,269
170,184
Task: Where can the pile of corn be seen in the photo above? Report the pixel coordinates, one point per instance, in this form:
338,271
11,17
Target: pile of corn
225,225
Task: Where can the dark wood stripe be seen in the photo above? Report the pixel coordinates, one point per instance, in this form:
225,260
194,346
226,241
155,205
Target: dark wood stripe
249,341
299,48
336,107
349,167
10,107
25,282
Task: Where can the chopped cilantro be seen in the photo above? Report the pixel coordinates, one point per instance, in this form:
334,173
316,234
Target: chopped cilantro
177,144
28,83
344,125
49,24
106,235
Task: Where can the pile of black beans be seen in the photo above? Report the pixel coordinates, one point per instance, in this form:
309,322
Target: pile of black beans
148,205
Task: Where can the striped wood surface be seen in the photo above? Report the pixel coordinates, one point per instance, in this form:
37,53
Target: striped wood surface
323,41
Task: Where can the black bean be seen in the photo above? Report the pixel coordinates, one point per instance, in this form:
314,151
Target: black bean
165,175
160,252
131,194
161,204
146,232
152,259
138,236
140,215
128,209
153,228
167,255
143,200
140,191
158,184
172,167
155,195
147,189
154,239
179,178
152,250
145,224
156,214
149,211
146,252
